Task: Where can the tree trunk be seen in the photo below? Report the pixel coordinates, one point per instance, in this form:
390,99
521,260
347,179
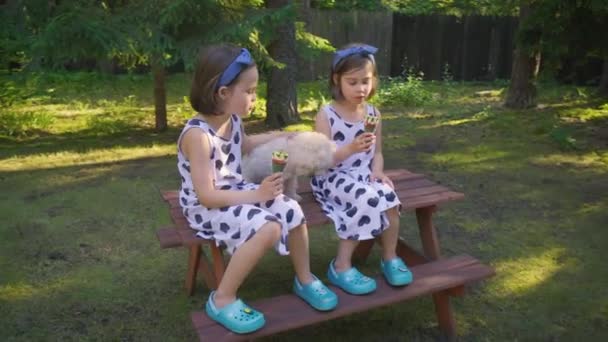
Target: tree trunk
281,101
603,88
522,90
160,96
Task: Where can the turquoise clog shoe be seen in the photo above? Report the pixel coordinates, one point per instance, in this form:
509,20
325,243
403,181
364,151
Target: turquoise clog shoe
396,272
236,316
316,294
351,280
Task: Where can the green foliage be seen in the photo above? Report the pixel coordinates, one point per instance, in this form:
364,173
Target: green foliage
408,91
310,45
349,5
17,123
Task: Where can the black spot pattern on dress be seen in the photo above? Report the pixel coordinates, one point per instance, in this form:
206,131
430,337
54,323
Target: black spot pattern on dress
332,178
186,167
238,169
237,210
269,203
349,187
357,163
353,237
183,179
359,132
289,215
337,200
252,213
373,202
364,220
339,136
251,234
271,218
207,225
348,125
226,148
213,153
231,158
224,209
314,181
224,227
331,121
351,212
236,235
342,227
340,182
225,187
359,192
390,197
376,232
237,138
198,218
326,192
218,164
184,201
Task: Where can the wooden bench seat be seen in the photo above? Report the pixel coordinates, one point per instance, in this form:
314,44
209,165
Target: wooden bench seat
434,275
287,312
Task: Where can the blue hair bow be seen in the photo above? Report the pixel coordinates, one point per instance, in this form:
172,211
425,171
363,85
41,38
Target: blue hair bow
363,50
242,61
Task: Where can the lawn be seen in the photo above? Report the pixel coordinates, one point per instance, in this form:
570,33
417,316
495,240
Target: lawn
79,207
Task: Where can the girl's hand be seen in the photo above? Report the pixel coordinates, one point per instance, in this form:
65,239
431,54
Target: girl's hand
363,142
271,187
380,176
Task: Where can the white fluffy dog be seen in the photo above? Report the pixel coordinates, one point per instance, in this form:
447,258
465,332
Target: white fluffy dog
309,153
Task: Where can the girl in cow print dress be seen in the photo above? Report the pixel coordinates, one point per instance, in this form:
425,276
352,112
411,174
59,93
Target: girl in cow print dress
356,194
244,218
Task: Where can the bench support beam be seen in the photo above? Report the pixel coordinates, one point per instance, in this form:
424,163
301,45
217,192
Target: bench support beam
430,245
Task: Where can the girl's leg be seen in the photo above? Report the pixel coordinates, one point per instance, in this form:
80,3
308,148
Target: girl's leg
345,254
390,236
299,252
243,261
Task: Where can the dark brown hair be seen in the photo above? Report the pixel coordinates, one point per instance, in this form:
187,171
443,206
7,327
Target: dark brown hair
212,61
348,64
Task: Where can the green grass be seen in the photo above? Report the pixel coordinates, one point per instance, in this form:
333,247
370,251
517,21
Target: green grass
80,205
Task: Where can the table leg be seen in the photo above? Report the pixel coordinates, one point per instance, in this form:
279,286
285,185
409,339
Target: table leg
430,245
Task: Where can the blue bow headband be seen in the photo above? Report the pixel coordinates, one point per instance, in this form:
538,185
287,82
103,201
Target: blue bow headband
241,62
363,50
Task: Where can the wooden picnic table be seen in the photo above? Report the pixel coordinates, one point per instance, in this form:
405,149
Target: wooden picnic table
433,274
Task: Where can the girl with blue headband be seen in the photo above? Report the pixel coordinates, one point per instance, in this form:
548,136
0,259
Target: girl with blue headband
244,218
356,194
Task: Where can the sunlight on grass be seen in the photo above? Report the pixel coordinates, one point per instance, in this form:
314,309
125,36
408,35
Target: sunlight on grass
585,114
70,158
305,126
16,292
591,159
515,277
475,158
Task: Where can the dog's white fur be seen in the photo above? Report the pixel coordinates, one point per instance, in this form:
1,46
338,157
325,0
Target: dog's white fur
309,153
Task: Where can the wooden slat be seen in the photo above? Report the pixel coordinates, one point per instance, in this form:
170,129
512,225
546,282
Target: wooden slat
434,199
287,312
168,237
413,190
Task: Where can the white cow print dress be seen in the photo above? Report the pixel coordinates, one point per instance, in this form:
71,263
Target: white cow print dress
356,205
231,226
